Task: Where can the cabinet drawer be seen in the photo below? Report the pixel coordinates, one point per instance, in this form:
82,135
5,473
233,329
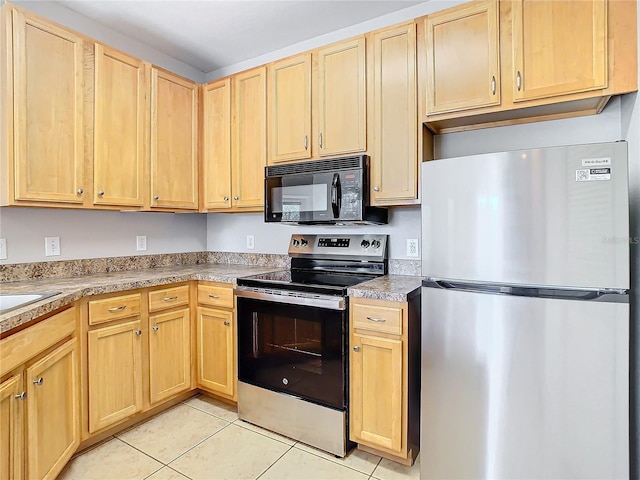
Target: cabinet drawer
377,318
216,296
168,298
108,309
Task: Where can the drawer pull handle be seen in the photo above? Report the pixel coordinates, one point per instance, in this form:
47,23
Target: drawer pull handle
374,319
21,396
138,332
170,299
226,323
156,328
117,309
214,296
38,381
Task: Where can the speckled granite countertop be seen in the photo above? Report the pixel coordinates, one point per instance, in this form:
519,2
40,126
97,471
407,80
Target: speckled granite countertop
391,287
74,288
395,288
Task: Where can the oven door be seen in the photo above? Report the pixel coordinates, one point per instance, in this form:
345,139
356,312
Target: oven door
292,348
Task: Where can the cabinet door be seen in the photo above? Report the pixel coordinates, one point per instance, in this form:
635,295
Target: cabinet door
394,166
169,354
115,372
376,392
47,116
463,66
11,419
558,47
120,150
342,108
216,158
290,109
53,414
174,141
249,138
216,352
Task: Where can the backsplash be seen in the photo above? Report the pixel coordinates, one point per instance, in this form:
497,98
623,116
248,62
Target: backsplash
73,268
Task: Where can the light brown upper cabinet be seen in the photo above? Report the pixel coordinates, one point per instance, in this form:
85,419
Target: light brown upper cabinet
463,64
394,160
216,145
543,59
44,129
340,104
174,141
558,47
290,109
249,133
120,155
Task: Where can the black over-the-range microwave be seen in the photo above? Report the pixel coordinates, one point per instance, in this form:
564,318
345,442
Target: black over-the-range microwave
332,191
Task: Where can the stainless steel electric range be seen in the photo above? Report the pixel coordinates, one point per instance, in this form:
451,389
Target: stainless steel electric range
293,335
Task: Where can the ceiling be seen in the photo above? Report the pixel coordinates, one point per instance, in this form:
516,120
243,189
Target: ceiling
211,34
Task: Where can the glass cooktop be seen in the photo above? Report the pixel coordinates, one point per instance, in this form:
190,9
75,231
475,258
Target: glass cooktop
317,282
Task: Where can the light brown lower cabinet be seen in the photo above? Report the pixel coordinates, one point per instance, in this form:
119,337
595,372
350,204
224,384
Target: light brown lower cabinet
39,398
216,334
384,400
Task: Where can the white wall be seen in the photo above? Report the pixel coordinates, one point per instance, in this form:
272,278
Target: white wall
88,234
70,19
228,232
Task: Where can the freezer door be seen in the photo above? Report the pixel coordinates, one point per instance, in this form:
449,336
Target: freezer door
530,217
523,388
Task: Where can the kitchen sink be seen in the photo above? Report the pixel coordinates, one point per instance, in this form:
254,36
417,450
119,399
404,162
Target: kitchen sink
17,300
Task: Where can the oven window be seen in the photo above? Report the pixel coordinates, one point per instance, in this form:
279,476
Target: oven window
293,349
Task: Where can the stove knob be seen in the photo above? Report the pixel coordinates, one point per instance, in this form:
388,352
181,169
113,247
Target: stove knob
364,243
303,242
375,243
296,242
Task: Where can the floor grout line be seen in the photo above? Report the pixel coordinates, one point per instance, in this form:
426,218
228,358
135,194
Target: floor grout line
342,465
277,460
153,473
187,451
204,411
264,434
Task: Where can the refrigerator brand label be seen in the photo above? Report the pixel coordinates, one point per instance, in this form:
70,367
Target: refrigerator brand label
593,174
596,162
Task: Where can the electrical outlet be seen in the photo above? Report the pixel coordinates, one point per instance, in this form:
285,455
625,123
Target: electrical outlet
251,242
3,248
141,243
412,247
51,246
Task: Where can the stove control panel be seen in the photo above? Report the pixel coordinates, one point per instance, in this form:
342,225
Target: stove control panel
339,245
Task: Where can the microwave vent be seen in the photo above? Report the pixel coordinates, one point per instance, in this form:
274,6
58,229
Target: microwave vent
330,164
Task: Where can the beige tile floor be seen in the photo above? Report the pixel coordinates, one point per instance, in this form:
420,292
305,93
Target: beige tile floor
204,439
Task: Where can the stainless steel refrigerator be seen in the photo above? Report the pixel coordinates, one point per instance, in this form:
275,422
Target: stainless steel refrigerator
525,315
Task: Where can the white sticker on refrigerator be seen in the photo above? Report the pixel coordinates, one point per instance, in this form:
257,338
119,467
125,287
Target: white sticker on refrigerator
593,174
596,162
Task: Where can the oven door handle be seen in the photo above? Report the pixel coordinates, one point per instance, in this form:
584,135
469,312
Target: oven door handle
282,296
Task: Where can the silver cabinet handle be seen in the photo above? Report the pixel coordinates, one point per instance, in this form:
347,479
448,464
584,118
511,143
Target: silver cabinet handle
170,299
519,81
156,328
138,332
493,85
306,142
379,320
38,381
226,199
235,197
356,348
156,197
226,323
211,295
117,309
101,193
80,191
20,396
376,189
320,140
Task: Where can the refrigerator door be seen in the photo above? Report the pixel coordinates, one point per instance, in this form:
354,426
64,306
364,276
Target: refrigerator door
523,388
553,216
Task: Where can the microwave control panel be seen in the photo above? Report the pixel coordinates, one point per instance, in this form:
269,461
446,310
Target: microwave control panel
351,187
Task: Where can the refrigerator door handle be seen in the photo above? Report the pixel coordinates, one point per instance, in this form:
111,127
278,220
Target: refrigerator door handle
597,295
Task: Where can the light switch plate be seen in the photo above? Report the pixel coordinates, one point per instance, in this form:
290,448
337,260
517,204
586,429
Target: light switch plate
141,243
51,246
3,248
412,247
